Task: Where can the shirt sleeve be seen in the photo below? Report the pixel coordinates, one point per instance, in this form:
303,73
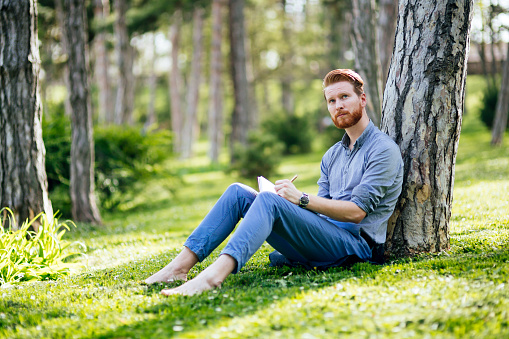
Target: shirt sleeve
381,171
323,182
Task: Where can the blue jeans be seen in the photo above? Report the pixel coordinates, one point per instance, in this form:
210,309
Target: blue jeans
299,234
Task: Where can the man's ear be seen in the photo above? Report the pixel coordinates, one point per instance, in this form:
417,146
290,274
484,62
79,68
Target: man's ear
364,101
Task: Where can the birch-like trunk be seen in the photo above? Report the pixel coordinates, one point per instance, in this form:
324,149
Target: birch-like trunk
241,110
367,62
215,128
175,81
84,206
388,15
193,91
125,56
500,122
422,112
23,181
104,109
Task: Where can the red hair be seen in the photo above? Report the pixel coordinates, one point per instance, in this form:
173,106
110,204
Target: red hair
348,75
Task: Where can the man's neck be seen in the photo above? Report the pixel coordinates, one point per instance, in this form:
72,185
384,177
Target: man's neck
356,130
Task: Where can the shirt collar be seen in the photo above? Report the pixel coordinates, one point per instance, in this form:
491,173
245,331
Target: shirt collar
360,141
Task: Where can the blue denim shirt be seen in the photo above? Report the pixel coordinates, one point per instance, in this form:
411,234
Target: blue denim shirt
370,175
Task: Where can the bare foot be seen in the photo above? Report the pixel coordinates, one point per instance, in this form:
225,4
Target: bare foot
176,270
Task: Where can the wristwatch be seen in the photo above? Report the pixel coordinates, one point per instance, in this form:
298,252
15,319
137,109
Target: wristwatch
304,200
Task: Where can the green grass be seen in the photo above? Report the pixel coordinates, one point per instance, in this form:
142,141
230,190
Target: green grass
462,293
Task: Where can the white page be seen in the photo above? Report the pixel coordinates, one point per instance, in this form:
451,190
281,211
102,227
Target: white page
265,185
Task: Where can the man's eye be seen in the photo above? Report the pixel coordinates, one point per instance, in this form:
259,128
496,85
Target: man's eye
331,101
344,96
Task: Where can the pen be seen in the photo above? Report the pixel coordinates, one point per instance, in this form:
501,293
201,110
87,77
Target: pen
294,177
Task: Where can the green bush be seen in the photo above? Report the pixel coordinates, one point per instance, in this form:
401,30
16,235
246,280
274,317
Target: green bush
27,256
489,106
293,131
261,156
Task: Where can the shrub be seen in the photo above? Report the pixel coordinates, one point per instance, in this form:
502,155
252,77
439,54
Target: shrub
489,106
261,156
27,256
293,131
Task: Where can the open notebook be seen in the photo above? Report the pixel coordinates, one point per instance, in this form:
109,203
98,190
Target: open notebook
265,185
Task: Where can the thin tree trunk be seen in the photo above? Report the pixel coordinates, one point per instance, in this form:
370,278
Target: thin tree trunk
388,15
367,62
500,122
241,111
215,127
193,92
84,206
125,55
175,81
23,181
422,112
152,86
64,45
105,114
287,99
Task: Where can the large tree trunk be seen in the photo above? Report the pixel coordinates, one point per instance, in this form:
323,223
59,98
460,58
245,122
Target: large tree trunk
104,112
215,127
125,56
193,91
84,206
23,181
388,15
241,110
367,62
175,81
500,122
422,112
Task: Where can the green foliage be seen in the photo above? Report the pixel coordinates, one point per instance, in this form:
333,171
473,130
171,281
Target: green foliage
29,256
292,130
489,106
261,156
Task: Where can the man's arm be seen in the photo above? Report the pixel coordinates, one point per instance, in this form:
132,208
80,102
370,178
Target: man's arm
336,209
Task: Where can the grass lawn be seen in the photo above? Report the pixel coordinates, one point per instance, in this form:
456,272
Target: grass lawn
462,293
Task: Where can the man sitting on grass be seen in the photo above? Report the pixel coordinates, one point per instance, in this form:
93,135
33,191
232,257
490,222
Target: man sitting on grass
360,182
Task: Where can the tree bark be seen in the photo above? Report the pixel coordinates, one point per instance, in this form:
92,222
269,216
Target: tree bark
63,43
422,112
84,206
23,181
287,53
125,89
193,91
104,112
152,86
241,110
215,127
367,62
388,15
500,122
175,80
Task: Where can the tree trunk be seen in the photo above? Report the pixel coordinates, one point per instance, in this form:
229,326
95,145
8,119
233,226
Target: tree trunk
125,55
388,15
63,43
500,122
367,62
215,127
287,53
23,181
175,81
105,114
241,110
422,112
193,91
152,86
84,206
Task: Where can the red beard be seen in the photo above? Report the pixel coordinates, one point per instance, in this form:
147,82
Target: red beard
345,119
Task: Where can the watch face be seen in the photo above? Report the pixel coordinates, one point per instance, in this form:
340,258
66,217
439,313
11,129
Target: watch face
304,200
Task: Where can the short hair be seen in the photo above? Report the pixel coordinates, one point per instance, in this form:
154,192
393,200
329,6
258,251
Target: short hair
348,75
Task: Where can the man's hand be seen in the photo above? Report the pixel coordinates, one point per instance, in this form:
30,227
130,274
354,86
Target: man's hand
286,189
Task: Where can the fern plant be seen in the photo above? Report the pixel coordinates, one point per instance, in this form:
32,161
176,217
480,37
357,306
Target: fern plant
26,255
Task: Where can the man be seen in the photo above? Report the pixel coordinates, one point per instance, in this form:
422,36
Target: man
360,182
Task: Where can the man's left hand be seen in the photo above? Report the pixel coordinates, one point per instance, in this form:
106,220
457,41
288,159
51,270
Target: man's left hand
286,189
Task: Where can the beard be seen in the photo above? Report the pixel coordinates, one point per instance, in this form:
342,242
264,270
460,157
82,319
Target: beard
348,119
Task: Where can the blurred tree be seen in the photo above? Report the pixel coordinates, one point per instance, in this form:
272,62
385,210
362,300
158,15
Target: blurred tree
152,82
367,61
175,81
215,117
422,111
104,109
500,122
84,206
287,54
23,181
387,17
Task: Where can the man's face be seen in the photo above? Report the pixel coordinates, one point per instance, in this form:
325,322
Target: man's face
344,105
